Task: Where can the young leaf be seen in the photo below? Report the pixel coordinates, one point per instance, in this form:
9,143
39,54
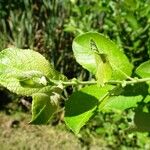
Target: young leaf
104,70
85,57
34,82
42,108
81,105
144,69
23,71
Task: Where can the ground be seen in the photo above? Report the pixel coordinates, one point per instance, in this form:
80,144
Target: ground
17,134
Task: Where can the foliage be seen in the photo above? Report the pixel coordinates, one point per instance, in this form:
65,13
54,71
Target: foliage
39,79
61,20
125,21
49,27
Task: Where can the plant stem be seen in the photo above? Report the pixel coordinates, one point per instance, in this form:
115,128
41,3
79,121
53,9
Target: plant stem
137,81
113,82
134,81
74,82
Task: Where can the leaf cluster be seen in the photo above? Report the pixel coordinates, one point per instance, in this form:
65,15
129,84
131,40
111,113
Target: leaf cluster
113,88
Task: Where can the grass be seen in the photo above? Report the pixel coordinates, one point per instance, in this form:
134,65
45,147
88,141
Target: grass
16,134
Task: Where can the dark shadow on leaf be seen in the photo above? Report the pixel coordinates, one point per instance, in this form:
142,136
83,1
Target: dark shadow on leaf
136,89
142,120
78,103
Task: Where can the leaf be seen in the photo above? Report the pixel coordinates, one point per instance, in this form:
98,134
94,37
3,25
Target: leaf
136,89
42,108
128,97
121,103
104,70
23,71
147,99
86,57
81,106
141,120
144,69
131,5
131,19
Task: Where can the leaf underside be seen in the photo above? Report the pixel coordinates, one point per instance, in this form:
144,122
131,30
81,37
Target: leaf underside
18,66
42,108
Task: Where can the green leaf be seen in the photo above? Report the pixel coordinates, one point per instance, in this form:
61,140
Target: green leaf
86,57
131,5
104,70
144,69
128,97
42,108
136,89
25,71
121,102
141,120
131,19
146,99
81,106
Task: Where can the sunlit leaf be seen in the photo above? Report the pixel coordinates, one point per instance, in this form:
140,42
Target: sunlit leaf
144,69
86,57
25,71
121,102
104,70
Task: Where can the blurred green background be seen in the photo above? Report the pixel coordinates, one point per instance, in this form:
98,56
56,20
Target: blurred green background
49,27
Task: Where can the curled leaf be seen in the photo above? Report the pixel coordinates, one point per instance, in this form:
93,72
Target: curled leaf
42,108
